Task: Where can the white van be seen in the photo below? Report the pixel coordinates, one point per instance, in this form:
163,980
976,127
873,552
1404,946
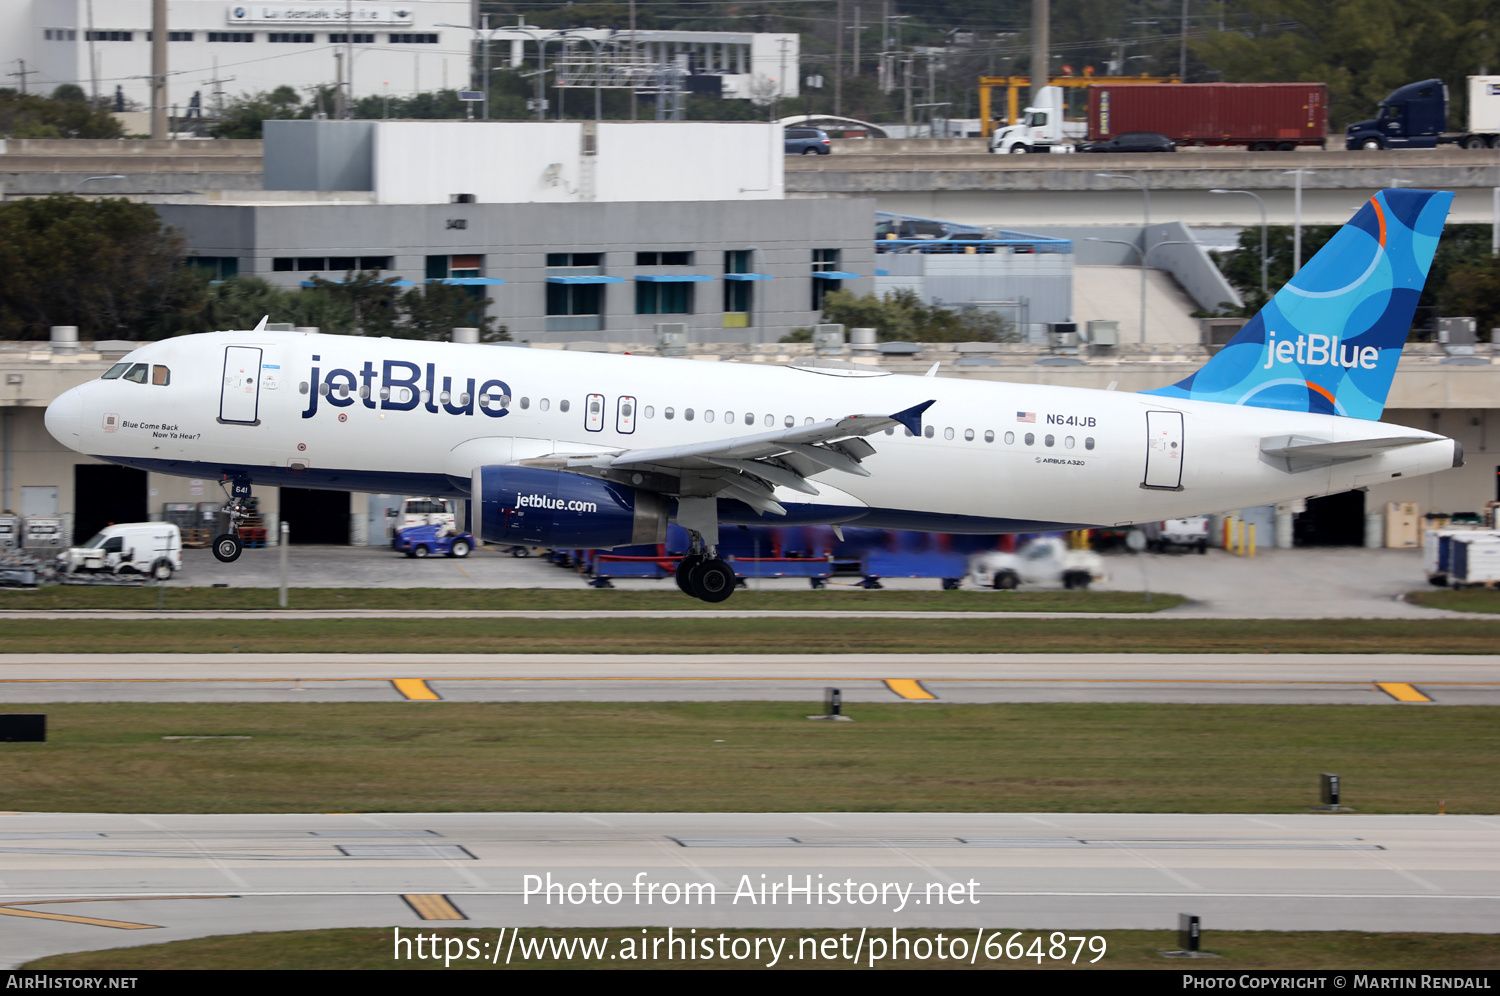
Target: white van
425,512
153,548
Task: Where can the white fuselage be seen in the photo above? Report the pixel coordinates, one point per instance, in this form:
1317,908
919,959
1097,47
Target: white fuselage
1094,457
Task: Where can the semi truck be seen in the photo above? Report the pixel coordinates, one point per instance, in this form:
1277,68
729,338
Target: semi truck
1415,116
1262,116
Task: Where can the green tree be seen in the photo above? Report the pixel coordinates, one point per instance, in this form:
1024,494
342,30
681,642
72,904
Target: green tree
108,266
902,316
243,115
30,116
434,311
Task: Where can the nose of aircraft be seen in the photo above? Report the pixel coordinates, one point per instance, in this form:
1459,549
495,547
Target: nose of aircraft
65,418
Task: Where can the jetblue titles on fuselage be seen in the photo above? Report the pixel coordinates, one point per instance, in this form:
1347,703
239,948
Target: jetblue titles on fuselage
402,386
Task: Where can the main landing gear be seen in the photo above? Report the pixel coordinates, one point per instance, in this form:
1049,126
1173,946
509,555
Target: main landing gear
704,575
227,546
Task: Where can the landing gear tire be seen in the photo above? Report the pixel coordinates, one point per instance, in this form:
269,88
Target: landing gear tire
460,549
685,568
227,548
712,581
161,571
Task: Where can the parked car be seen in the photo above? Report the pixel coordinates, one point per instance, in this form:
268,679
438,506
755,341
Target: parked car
1131,141
1190,533
424,541
807,142
152,548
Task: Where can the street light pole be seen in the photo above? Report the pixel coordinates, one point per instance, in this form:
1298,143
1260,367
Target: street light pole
1143,257
1297,219
1264,284
1145,226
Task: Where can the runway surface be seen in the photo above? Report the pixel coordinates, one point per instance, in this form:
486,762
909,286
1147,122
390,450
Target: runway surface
78,882
1394,679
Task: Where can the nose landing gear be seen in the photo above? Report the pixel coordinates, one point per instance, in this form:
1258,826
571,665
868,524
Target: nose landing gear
227,546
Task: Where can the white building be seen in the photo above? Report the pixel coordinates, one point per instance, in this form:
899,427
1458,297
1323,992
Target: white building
220,48
397,48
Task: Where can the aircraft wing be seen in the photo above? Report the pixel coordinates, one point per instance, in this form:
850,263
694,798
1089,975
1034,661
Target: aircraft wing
747,468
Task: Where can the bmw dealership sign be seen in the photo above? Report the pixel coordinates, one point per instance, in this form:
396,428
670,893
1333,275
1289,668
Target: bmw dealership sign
320,14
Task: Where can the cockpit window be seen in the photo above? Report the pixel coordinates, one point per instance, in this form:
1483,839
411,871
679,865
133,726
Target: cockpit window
161,376
137,373
115,371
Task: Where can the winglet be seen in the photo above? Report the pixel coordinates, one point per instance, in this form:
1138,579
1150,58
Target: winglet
261,326
912,417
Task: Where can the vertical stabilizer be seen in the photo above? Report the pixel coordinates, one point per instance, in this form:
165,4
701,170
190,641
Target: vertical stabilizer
1329,341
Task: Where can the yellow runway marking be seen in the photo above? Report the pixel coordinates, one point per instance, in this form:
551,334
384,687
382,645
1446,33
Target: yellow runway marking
92,921
434,907
416,688
908,688
1401,691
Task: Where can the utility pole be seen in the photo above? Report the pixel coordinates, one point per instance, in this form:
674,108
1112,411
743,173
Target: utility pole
23,73
907,66
1182,48
158,69
838,60
347,110
93,64
338,85
857,29
1041,42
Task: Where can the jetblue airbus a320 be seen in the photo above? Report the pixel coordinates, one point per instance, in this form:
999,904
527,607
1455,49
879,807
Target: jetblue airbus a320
588,450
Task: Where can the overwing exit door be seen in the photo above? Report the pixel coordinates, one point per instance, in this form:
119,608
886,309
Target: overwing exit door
1163,451
239,396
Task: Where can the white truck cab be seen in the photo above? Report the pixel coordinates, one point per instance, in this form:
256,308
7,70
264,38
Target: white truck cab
1042,127
425,512
153,548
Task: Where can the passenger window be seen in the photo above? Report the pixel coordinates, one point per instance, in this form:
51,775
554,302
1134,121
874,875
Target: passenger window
115,371
1030,438
364,392
890,430
525,403
444,397
1088,442
650,412
463,399
1049,440
807,421
137,373
1068,442
729,418
789,421
667,413
969,435
928,432
948,432
302,387
323,389
385,394
564,405
687,413
770,421
749,419
909,432
1010,438
161,376
544,404
708,414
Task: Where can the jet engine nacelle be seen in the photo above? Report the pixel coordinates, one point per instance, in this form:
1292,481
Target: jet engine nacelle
536,507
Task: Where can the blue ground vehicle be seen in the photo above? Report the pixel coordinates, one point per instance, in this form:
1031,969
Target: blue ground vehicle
424,541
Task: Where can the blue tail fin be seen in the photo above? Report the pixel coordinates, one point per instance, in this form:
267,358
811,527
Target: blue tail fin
1329,341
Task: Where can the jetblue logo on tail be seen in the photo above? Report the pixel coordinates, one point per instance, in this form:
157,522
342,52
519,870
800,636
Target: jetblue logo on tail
1329,341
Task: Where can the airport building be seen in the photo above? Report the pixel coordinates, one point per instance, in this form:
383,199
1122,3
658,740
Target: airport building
220,50
574,230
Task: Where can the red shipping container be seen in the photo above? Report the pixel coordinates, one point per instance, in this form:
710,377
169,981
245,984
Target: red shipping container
1260,115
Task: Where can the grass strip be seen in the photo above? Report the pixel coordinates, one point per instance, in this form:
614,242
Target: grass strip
591,600
374,948
1464,600
751,636
749,757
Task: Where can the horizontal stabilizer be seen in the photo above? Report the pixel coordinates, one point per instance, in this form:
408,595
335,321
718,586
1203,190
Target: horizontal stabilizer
1298,453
